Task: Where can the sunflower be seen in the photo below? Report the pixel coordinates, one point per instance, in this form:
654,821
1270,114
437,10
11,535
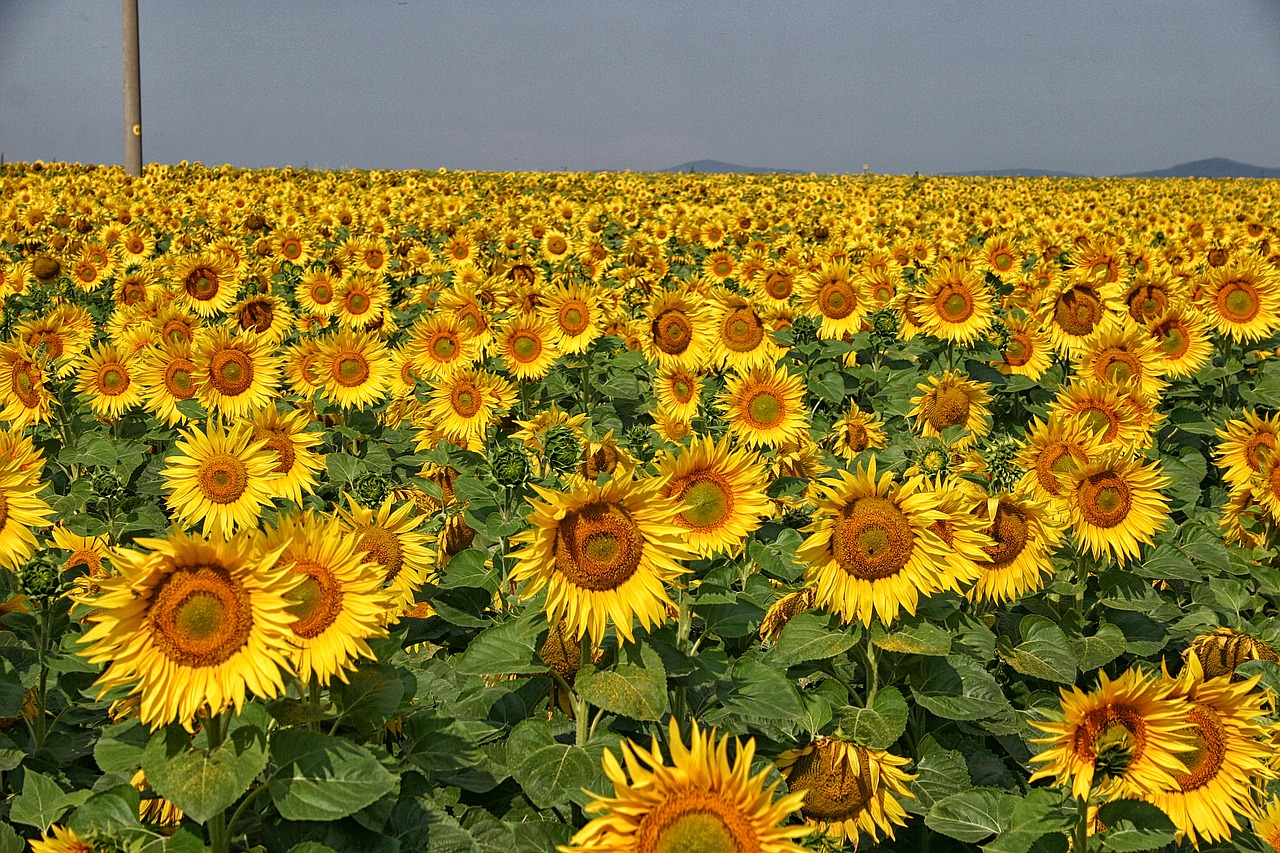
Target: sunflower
700,802
441,346
86,551
1072,311
192,625
526,347
233,376
1023,538
847,788
742,340
1245,445
219,478
831,294
775,285
1114,505
1146,298
1119,354
22,391
604,553
1228,762
765,407
137,287
952,401
289,245
955,304
206,282
603,457
167,377
784,610
63,839
679,392
359,300
21,508
64,334
1124,738
1266,825
352,369
871,547
1182,342
463,405
856,432
1027,353
262,317
1242,302
1222,651
340,603
175,325
720,492
300,359
680,330
389,537
1049,452
316,292
1103,410
296,464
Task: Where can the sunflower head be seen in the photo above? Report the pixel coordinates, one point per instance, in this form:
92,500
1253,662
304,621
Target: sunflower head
848,789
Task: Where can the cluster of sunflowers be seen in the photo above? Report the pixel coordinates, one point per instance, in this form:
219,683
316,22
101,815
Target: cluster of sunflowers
947,391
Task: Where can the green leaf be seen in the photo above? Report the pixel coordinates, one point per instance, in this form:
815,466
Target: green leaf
1134,825
1192,421
1268,669
809,637
322,777
469,569
878,726
1166,562
114,811
203,781
119,749
939,774
971,815
638,692
371,695
10,842
777,558
1044,652
914,637
192,409
506,649
762,692
957,688
1035,816
343,468
1102,648
548,771
41,802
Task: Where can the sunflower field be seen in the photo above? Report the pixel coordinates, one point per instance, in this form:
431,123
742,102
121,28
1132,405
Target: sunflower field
636,513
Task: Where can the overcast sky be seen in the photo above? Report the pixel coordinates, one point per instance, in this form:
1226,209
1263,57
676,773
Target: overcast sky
1090,86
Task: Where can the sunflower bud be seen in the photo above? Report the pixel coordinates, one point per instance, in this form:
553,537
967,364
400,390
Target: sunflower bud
804,330
562,449
106,485
999,455
931,458
39,576
884,327
370,489
509,464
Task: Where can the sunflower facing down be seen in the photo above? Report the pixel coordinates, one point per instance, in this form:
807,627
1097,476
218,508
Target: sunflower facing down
848,789
720,490
1122,739
700,802
872,549
604,554
765,408
219,478
1115,505
192,625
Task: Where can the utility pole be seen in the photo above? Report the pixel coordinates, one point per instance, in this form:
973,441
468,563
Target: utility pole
132,92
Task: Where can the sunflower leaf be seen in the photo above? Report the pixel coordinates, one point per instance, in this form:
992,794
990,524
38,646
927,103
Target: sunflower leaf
41,802
505,649
638,692
1044,652
956,688
322,777
548,771
878,726
809,637
1134,825
972,815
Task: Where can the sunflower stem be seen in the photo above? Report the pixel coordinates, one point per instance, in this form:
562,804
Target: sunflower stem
313,691
1080,841
581,707
873,671
218,840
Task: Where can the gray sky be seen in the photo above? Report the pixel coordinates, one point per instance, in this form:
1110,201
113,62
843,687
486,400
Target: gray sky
1090,86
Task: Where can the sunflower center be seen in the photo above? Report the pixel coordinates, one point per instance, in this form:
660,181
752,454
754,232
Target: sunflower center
176,332
1210,741
682,389
222,478
834,790
201,283
1238,301
383,548
856,437
954,303
598,546
709,504
322,293
1003,262
1112,737
836,300
177,379
1118,365
672,331
871,538
741,330
1010,533
950,408
200,616
1147,302
1257,447
526,347
572,317
602,461
257,315
4,511
1078,311
778,285
317,600
1173,340
1105,499
444,347
352,369
696,822
357,303
231,372
112,380
765,410
465,399
280,443
86,558
291,249
25,383
1018,352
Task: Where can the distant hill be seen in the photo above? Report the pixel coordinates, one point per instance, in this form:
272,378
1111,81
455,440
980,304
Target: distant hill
1214,167
1016,173
721,168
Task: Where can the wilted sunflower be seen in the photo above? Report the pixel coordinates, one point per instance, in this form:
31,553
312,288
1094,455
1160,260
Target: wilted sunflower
205,282
340,602
1220,652
285,435
1245,445
856,432
680,331
219,479
955,304
192,624
1114,505
1229,760
234,376
700,802
848,789
525,345
167,377
1023,540
765,407
604,553
21,509
871,548
390,538
953,400
1242,302
720,491
352,369
1122,739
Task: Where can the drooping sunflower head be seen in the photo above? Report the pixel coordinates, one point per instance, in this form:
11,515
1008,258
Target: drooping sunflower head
848,789
1220,652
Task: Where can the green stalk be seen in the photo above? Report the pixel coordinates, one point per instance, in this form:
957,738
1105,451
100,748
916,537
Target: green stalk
219,841
873,671
580,705
1080,838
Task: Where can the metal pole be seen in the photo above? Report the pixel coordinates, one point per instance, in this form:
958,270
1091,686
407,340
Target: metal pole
132,92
